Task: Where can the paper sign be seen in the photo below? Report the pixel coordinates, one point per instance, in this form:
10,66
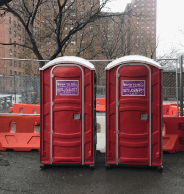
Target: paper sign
67,87
133,88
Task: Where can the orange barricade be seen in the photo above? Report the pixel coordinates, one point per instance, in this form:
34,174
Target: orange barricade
100,104
25,108
173,110
173,135
19,132
166,108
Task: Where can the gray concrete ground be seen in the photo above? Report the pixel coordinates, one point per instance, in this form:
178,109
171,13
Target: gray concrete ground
20,173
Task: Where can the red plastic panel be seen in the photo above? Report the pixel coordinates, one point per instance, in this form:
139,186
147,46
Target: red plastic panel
173,138
166,108
25,108
100,104
17,132
67,136
133,138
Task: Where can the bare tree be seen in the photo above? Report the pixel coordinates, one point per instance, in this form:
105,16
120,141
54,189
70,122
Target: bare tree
47,24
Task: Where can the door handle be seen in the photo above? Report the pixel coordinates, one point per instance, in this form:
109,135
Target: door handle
77,116
144,116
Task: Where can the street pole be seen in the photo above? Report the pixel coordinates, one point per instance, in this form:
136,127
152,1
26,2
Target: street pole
15,88
181,84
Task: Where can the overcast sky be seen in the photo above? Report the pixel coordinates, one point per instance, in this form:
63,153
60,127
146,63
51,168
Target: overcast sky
170,19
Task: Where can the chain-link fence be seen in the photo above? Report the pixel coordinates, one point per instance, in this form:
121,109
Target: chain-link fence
20,82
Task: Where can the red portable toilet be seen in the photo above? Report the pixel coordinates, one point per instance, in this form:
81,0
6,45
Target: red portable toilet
68,112
134,112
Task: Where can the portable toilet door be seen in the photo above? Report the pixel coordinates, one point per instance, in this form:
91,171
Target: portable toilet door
68,112
134,112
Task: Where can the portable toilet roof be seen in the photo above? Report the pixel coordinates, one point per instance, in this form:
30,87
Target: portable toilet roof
133,59
68,59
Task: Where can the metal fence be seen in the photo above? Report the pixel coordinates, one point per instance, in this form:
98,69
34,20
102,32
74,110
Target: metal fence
20,81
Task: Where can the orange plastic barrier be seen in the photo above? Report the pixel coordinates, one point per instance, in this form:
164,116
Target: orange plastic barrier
173,110
173,136
25,108
100,104
166,108
19,132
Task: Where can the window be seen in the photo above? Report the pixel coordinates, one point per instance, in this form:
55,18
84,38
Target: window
10,40
47,21
15,73
73,14
71,28
19,73
14,23
148,32
10,72
148,4
81,13
55,7
83,42
91,27
48,7
91,35
15,63
19,27
72,7
48,42
14,34
153,32
15,53
72,1
19,37
73,42
66,28
10,62
19,64
10,52
148,27
148,9
10,31
14,43
66,14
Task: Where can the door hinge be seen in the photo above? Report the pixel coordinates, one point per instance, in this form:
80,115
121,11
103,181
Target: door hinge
117,103
52,103
118,161
118,75
52,131
118,132
52,75
51,160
